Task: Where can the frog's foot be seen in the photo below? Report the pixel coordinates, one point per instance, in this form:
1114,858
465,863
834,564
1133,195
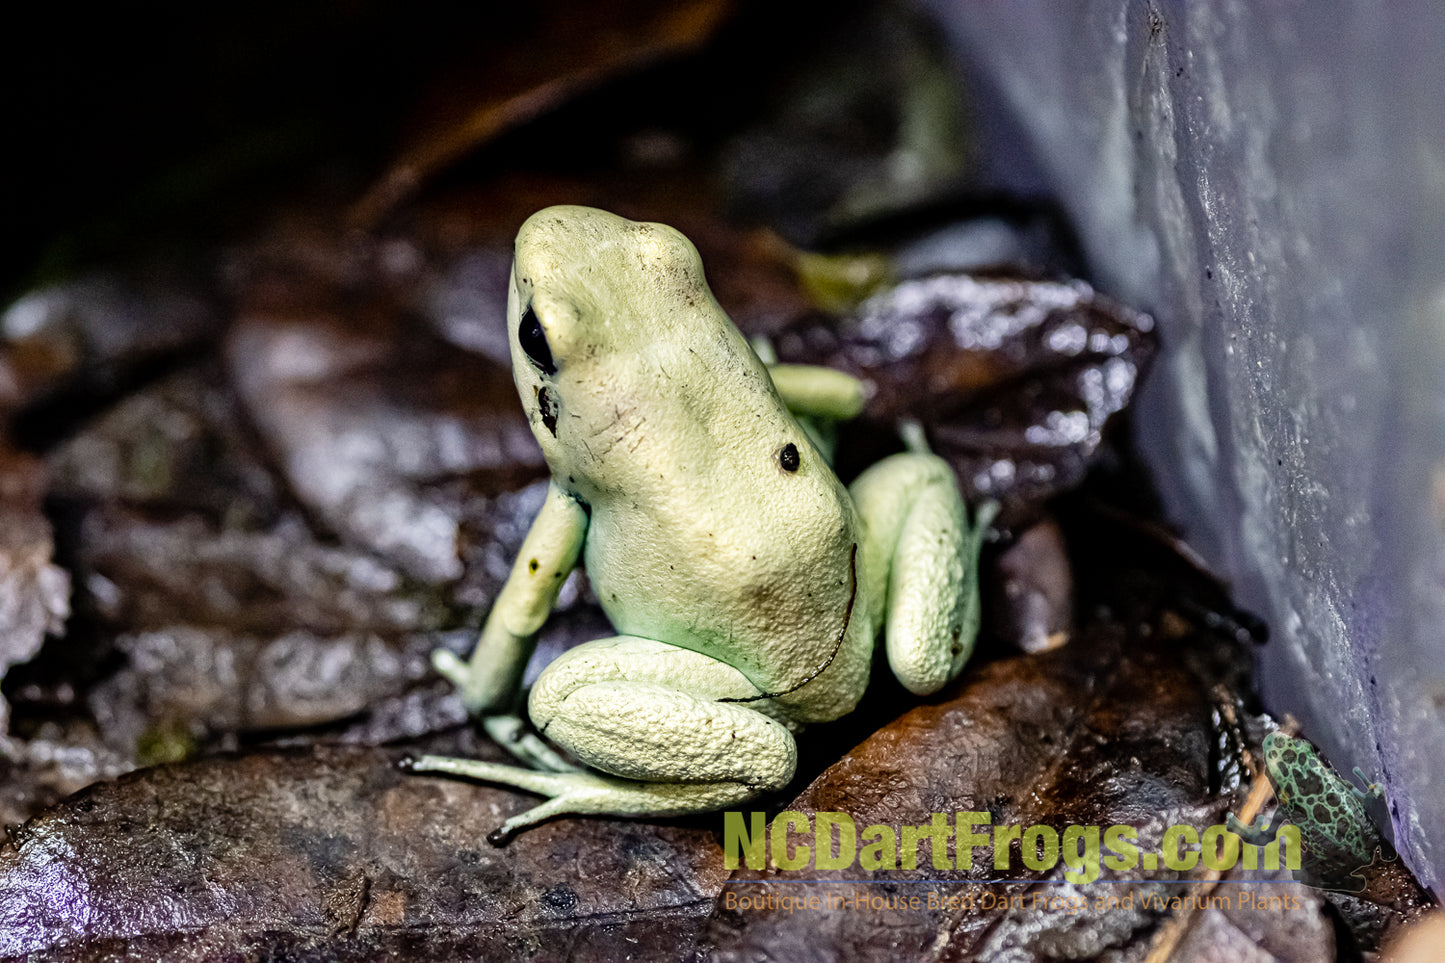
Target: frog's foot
650,716
584,793
458,672
1262,833
818,392
1372,790
512,734
508,730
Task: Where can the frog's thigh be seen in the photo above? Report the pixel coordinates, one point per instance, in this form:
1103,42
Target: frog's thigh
649,711
922,558
650,714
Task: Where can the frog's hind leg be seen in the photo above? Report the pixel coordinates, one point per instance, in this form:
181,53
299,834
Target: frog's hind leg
921,556
651,717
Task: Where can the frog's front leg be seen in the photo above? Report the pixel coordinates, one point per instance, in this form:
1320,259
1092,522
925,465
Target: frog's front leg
819,392
818,398
1262,833
490,681
1372,790
920,555
670,730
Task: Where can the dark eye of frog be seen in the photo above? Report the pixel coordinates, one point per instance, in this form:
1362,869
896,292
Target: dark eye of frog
534,341
788,457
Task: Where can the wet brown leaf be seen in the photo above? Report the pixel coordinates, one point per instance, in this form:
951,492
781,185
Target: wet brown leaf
52,761
87,337
333,854
1033,590
1013,380
221,612
1101,733
366,410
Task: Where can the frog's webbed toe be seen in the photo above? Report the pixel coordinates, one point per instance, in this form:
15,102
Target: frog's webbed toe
1372,790
1254,835
584,793
1262,833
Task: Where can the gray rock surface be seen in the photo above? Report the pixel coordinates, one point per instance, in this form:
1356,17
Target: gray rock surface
1269,181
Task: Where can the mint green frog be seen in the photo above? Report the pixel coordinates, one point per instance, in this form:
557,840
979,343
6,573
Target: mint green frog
746,583
1337,839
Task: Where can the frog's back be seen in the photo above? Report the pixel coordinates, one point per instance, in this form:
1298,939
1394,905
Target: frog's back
715,525
1336,835
716,546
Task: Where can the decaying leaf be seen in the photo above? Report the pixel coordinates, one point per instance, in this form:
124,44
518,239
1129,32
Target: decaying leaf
1013,380
334,854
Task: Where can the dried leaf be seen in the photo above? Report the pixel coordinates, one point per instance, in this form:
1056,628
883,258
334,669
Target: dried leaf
1013,380
334,854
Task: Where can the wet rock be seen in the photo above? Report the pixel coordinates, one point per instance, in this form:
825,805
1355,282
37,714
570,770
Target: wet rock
1295,257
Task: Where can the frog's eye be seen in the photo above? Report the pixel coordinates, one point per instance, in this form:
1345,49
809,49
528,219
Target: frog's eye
534,341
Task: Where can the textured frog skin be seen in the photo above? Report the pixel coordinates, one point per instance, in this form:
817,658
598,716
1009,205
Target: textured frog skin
1337,839
748,586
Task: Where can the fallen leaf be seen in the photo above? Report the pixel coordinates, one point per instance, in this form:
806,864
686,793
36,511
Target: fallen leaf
1013,380
335,854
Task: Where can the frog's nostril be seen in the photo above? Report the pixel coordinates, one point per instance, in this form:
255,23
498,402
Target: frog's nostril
788,458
